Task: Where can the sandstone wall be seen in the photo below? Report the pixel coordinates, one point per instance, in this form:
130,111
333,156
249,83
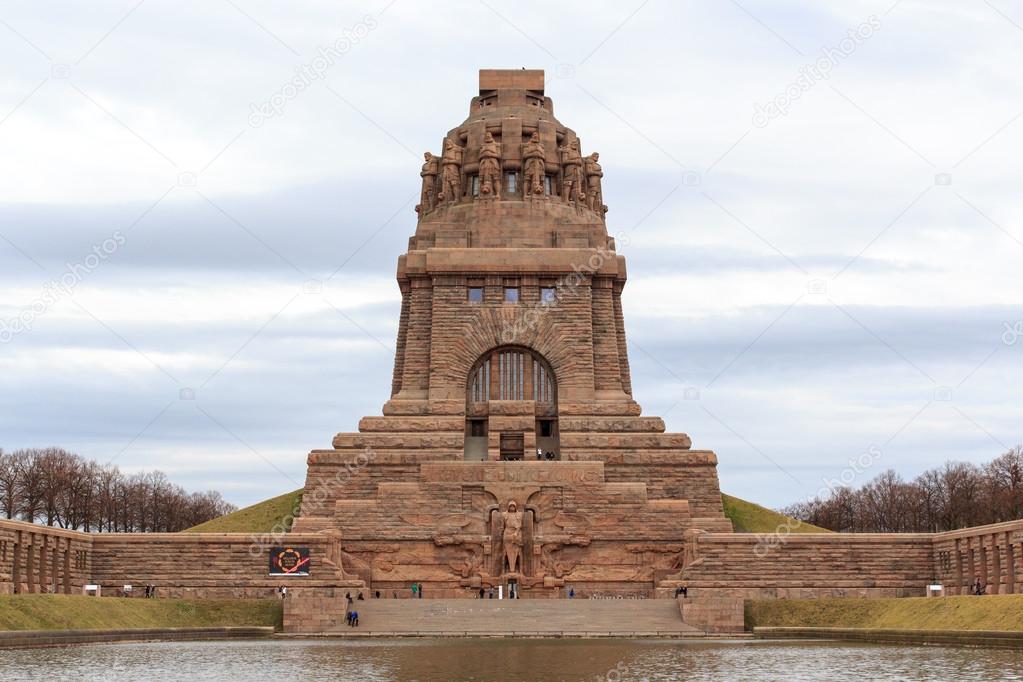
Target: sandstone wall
203,565
759,566
43,559
992,554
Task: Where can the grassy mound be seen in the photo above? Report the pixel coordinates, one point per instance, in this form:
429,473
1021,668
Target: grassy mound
261,517
1002,612
73,612
747,517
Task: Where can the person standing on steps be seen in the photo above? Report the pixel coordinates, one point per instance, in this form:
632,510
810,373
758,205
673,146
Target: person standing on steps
571,592
420,590
415,588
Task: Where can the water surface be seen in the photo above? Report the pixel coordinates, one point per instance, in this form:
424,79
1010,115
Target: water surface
508,660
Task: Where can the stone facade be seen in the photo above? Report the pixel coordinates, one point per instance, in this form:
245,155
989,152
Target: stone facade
42,559
511,342
991,554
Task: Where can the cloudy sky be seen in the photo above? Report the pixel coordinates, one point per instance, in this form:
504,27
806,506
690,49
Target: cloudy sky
820,203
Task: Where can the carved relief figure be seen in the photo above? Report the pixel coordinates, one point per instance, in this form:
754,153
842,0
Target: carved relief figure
429,175
594,173
571,164
490,165
334,555
512,537
534,159
690,555
451,172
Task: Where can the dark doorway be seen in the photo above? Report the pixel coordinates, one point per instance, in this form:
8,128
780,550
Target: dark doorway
513,446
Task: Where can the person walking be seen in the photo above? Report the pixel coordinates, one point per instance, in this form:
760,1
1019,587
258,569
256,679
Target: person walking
415,589
420,590
571,592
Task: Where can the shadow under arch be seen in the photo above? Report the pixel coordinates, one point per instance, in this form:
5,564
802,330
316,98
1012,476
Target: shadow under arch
525,382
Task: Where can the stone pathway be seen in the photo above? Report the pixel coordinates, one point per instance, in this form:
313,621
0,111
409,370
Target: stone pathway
519,618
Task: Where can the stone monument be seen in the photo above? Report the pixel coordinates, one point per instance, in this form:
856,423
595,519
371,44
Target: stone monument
512,452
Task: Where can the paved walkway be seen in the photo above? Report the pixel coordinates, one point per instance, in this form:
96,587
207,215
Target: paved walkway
520,618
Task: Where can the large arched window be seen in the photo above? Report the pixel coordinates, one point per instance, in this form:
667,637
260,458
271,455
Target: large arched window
512,373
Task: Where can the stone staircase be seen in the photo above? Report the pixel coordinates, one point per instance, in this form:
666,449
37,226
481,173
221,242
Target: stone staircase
517,618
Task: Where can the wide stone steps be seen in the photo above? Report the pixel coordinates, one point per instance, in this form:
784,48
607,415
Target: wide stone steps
520,617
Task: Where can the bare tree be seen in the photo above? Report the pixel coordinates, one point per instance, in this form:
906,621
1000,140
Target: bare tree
61,488
10,483
955,495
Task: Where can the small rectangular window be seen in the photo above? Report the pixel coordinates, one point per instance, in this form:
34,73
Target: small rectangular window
511,181
475,294
511,294
548,295
474,185
477,428
548,185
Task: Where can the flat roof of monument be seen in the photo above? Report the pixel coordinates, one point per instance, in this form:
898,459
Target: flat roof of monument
511,79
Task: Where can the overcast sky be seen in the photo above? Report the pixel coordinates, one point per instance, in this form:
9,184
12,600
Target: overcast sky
824,233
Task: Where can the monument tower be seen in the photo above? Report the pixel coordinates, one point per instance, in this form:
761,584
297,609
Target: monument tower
511,452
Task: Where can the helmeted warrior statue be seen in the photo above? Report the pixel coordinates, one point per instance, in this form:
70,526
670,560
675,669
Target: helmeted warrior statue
451,172
429,175
490,166
594,173
571,164
534,158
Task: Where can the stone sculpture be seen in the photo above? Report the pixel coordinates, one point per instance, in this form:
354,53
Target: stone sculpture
490,166
571,164
534,159
451,172
511,539
429,175
594,173
335,556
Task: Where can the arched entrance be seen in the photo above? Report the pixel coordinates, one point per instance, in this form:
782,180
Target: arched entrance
523,380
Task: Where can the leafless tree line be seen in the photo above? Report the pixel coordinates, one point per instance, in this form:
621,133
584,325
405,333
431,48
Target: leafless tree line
956,495
60,488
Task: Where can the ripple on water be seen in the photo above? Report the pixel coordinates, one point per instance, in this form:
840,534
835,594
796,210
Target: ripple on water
509,660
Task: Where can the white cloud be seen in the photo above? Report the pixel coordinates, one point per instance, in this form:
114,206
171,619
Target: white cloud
840,179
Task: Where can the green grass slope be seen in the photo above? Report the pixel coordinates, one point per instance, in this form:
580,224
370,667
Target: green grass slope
1002,612
75,612
261,517
747,517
